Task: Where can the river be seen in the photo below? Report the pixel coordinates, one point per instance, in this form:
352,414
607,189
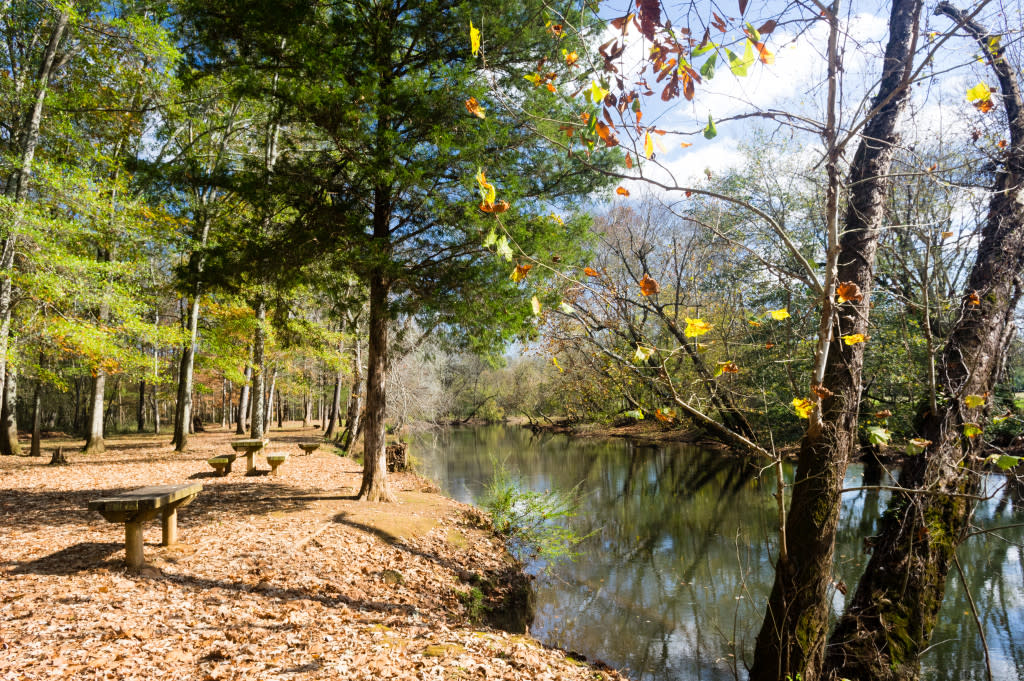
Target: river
672,582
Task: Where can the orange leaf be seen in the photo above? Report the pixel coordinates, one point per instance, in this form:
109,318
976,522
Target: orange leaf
821,391
849,291
1001,144
622,191
648,286
984,105
473,107
686,144
590,272
973,298
520,272
763,54
629,161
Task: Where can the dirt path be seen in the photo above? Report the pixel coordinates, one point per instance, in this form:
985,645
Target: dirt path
282,577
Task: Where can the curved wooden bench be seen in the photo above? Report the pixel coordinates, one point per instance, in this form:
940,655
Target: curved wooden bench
141,505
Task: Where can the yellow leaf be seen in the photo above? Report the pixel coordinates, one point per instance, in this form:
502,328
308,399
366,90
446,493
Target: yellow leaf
946,235
854,338
973,401
779,315
535,304
520,272
753,322
474,39
487,191
803,407
648,145
570,58
473,107
642,353
554,360
696,327
597,93
979,93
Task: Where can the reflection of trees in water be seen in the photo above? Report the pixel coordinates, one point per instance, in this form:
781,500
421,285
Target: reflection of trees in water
676,576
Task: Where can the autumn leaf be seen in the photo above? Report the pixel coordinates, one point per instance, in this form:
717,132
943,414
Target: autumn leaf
554,360
570,58
973,298
878,435
629,160
854,338
648,286
597,93
972,429
753,322
566,308
726,368
520,272
979,96
917,446
974,401
497,208
821,391
474,39
685,145
882,415
763,54
946,235
591,272
696,327
487,191
648,145
848,292
779,315
622,191
535,304
473,107
665,415
642,353
803,407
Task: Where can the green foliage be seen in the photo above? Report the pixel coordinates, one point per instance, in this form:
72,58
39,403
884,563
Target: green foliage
532,523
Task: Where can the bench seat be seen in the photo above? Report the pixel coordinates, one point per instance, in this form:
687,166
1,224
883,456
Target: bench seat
141,505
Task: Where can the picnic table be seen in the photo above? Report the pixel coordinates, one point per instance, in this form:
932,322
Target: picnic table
248,448
141,505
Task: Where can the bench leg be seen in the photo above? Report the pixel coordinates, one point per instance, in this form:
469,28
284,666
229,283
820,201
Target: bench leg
170,526
133,544
250,462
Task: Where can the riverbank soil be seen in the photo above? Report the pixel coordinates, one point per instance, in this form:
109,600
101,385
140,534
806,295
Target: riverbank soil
284,577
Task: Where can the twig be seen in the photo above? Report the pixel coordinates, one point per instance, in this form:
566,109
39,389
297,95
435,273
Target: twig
974,611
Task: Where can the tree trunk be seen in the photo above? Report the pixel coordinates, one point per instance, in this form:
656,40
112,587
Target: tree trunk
268,408
183,406
156,410
17,184
375,468
241,424
94,433
335,406
353,415
37,421
792,637
9,444
258,426
307,410
892,615
140,412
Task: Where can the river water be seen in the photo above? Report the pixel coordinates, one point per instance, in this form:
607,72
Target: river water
672,583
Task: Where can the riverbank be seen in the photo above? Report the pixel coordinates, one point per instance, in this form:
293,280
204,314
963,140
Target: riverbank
275,577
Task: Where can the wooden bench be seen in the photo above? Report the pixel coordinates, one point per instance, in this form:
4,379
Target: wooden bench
275,460
248,449
141,505
222,463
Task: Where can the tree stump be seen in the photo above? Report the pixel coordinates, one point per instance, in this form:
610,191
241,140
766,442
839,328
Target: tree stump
397,456
197,425
58,458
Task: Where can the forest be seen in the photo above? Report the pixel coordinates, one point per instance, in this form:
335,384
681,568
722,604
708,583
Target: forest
793,228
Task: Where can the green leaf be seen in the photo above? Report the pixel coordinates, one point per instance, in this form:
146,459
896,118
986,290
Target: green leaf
642,353
973,401
503,248
753,33
707,69
566,308
1004,461
740,65
635,414
878,435
917,446
491,239
710,132
972,429
703,49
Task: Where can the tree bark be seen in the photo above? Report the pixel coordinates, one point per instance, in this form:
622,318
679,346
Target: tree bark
375,468
268,409
35,448
353,415
9,444
257,427
183,407
335,406
892,615
140,411
94,434
241,418
792,637
307,410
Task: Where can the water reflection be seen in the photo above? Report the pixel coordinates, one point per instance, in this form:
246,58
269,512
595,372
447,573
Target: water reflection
672,583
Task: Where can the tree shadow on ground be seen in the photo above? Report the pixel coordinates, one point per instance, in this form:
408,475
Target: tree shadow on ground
73,559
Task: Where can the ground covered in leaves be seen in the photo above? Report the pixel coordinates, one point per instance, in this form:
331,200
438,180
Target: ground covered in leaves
285,577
